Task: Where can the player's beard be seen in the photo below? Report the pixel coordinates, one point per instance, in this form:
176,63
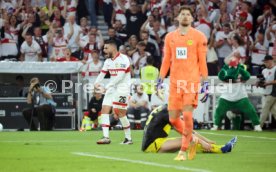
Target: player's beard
183,24
108,55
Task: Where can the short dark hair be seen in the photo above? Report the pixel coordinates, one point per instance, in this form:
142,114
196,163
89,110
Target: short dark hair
111,42
188,8
238,39
141,43
29,34
226,25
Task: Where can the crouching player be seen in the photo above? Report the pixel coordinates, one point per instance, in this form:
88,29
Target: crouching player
156,139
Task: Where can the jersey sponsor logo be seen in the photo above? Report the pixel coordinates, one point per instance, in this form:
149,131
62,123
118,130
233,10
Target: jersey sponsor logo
123,65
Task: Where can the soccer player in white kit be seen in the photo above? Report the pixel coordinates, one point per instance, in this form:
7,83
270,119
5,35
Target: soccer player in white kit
116,91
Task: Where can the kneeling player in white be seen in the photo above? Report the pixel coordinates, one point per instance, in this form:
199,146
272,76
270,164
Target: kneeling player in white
116,91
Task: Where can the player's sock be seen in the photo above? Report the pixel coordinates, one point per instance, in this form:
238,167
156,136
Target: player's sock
215,148
105,124
187,131
126,126
177,124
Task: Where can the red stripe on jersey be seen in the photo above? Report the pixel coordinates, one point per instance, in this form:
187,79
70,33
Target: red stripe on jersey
120,104
117,55
124,70
103,71
93,73
127,70
113,74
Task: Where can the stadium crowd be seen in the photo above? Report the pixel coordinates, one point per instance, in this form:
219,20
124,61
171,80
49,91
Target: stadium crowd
66,30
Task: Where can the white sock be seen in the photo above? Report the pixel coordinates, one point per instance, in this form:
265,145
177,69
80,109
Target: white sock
105,124
126,126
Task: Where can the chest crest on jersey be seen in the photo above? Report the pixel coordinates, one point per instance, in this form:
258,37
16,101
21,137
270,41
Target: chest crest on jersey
190,42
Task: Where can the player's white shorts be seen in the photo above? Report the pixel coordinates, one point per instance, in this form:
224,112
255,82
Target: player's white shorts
116,99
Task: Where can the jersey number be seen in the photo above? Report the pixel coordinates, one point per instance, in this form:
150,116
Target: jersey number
181,52
122,99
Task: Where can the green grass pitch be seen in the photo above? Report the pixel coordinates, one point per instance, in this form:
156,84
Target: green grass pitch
73,151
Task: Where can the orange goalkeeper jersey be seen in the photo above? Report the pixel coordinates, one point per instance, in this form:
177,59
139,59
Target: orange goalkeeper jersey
185,56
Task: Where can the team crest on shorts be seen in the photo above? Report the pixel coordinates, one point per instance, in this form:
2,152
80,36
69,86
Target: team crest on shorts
190,42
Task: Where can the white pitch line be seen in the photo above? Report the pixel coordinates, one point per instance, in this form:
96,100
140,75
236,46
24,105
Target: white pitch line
140,162
40,141
245,136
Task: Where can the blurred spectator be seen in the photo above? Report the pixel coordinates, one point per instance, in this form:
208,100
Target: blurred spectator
88,46
265,19
95,107
138,109
173,26
131,45
123,50
271,38
30,23
84,27
119,12
222,45
71,31
107,11
238,49
15,27
45,22
90,4
92,68
112,36
120,30
140,58
57,18
150,47
160,97
70,6
8,43
59,43
259,50
42,41
30,50
269,84
212,58
43,107
22,90
157,35
248,41
135,19
203,24
67,57
149,77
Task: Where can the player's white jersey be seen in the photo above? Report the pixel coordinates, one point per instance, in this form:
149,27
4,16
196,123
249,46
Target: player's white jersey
119,69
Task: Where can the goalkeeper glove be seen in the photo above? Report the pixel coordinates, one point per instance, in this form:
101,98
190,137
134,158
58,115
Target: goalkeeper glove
205,90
